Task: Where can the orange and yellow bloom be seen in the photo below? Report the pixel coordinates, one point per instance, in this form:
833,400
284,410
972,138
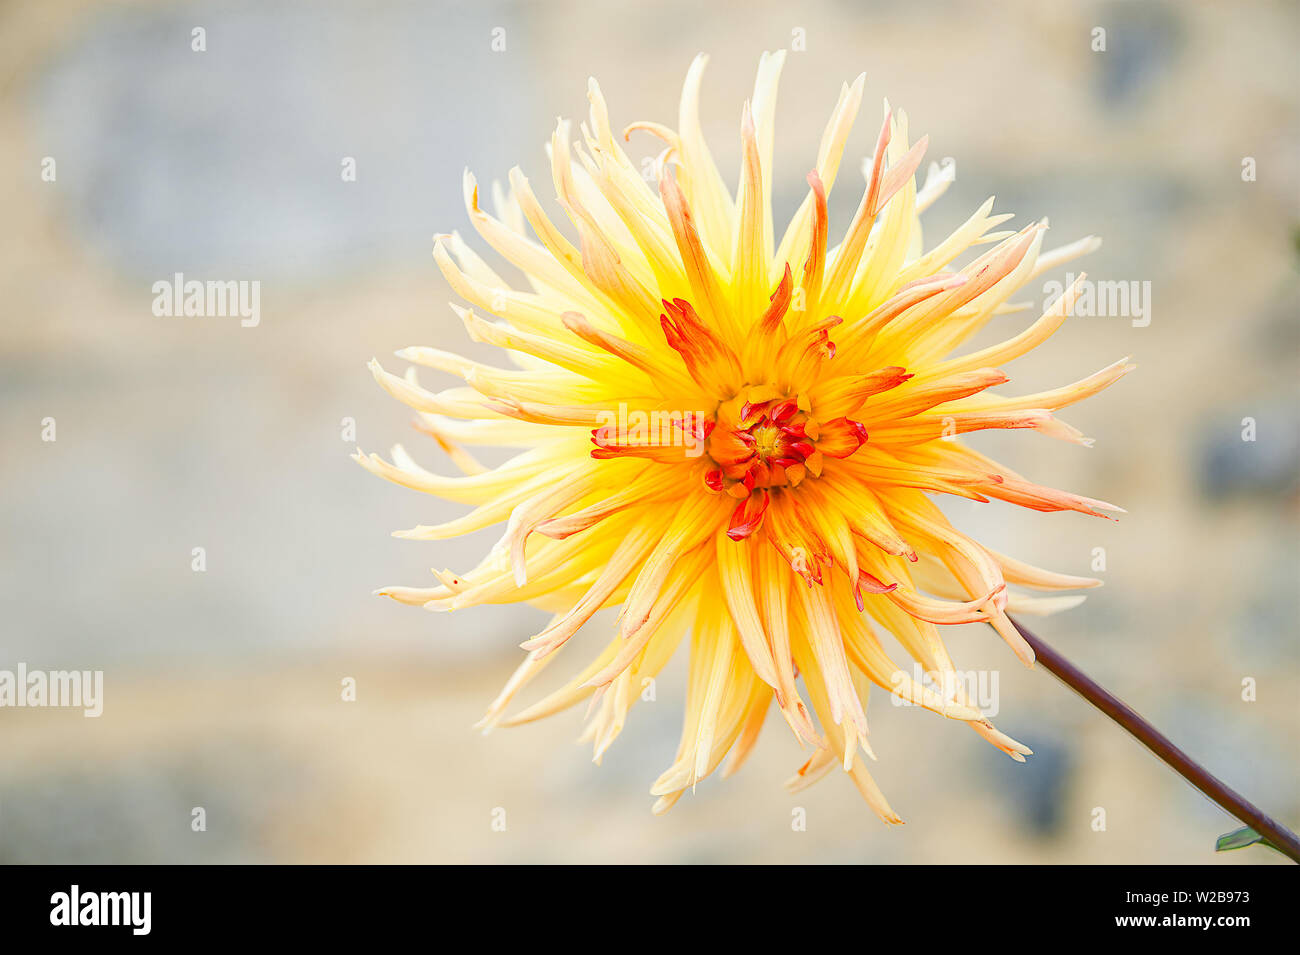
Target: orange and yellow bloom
734,436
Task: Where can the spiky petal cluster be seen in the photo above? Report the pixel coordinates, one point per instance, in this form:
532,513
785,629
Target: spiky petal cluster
737,437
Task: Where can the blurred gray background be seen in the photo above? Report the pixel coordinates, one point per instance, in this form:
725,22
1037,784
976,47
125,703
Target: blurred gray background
223,687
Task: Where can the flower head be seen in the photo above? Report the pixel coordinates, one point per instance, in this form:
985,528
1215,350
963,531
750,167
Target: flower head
737,436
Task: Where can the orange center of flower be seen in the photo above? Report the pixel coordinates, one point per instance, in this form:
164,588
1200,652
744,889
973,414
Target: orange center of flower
765,437
766,445
758,446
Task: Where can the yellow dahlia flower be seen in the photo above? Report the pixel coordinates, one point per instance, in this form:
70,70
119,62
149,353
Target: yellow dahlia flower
737,435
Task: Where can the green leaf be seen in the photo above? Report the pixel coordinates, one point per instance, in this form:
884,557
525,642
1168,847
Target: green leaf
1237,839
1240,838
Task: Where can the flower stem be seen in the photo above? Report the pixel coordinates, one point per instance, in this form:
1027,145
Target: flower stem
1281,837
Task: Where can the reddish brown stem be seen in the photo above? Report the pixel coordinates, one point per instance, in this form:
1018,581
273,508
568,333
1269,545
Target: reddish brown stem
1278,835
